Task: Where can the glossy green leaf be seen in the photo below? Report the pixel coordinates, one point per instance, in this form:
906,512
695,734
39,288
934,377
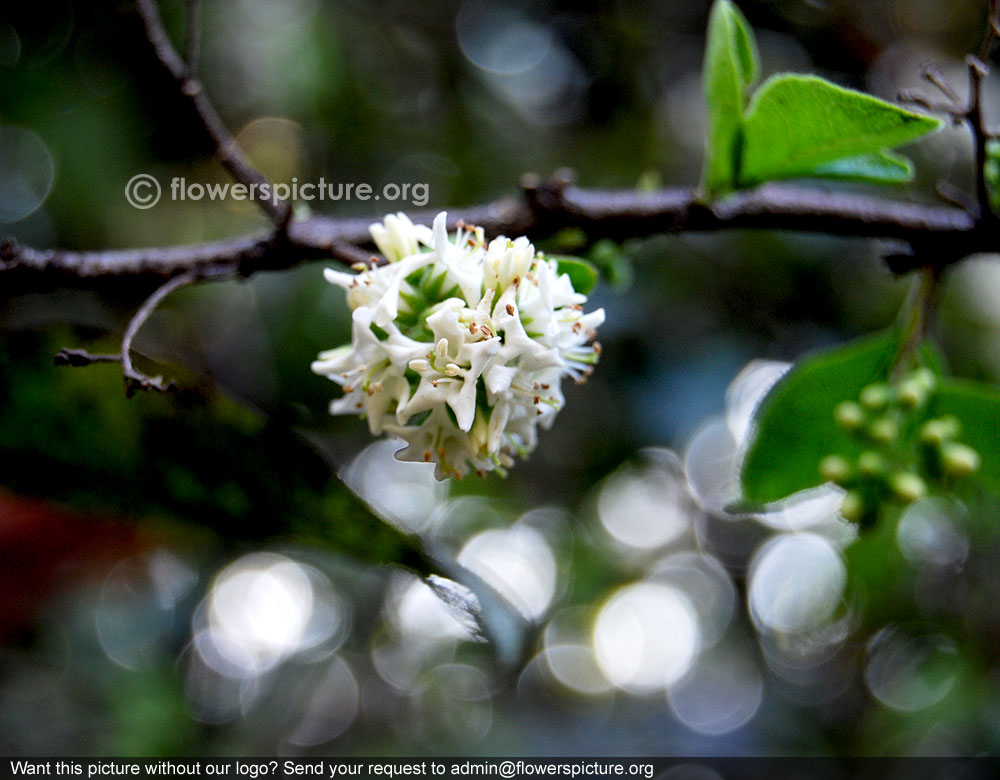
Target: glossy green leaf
977,407
796,124
795,427
730,67
882,167
582,274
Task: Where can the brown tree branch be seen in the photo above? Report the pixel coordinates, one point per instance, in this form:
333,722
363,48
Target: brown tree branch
969,112
980,136
227,151
937,236
544,209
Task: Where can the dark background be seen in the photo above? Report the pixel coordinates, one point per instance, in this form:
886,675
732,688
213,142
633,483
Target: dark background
119,517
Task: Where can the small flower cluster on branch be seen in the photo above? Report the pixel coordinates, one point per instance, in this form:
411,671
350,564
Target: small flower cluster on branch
906,454
459,347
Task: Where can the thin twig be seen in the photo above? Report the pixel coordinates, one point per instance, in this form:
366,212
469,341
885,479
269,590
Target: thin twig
227,151
134,378
956,196
971,113
953,110
978,70
934,76
974,118
81,357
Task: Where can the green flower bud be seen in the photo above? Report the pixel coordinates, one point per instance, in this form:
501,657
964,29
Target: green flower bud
925,377
849,415
836,469
870,464
876,396
939,430
884,430
852,508
915,388
907,487
959,459
911,394
991,171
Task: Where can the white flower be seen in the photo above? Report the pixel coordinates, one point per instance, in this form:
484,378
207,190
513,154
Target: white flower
397,237
457,347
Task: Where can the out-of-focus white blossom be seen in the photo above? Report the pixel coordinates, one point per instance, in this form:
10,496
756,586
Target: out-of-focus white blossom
459,347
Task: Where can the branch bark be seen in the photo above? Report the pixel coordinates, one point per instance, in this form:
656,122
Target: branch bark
544,209
227,151
934,236
937,235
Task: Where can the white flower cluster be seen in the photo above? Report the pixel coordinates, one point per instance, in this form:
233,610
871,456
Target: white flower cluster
459,347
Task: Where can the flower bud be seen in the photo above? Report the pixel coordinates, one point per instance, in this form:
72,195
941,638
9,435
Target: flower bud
852,508
836,469
959,459
907,487
884,430
916,387
939,430
849,415
875,397
871,464
925,377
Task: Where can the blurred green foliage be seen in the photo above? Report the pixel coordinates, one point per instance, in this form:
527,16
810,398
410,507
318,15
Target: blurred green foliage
205,460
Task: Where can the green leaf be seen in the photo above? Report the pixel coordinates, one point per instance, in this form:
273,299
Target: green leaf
795,426
612,263
796,124
977,407
582,274
882,167
730,67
